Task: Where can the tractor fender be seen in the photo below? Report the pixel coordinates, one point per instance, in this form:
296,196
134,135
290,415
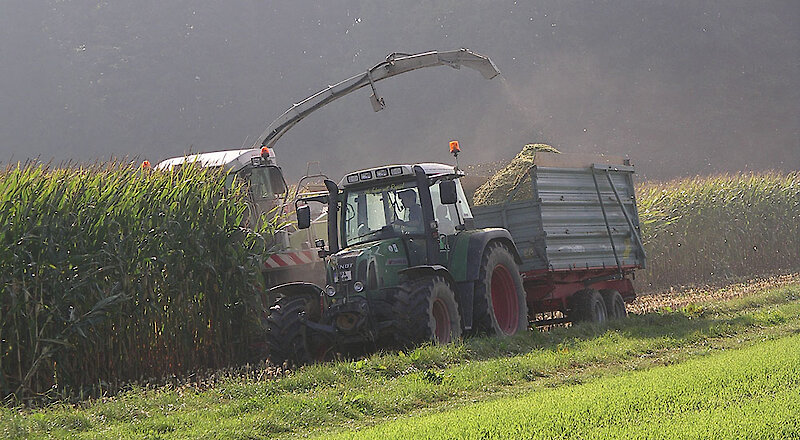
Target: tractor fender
428,270
294,289
477,245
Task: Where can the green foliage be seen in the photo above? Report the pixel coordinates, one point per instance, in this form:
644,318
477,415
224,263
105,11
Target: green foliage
716,228
110,274
747,393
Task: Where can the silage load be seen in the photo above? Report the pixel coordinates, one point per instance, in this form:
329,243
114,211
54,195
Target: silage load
497,189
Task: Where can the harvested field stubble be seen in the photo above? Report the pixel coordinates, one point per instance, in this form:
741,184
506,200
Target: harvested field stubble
111,274
681,298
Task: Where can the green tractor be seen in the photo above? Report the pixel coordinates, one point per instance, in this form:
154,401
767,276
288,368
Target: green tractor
405,265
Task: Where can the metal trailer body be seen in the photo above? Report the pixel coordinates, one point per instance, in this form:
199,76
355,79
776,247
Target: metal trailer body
575,223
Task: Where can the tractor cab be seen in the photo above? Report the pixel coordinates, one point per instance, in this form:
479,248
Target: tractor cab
420,205
415,208
387,225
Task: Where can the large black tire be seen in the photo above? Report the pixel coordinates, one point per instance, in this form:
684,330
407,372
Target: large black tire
500,306
425,310
286,336
588,306
615,305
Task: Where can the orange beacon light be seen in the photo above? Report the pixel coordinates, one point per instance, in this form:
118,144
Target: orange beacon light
454,148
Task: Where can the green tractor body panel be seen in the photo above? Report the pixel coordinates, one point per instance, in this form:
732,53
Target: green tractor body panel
375,265
386,243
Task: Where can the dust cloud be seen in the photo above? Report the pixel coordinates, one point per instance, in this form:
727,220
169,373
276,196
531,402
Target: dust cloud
681,87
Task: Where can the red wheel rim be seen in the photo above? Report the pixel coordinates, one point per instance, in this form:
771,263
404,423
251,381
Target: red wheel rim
442,321
504,300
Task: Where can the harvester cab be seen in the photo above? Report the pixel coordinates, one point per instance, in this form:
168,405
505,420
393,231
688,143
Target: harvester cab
256,168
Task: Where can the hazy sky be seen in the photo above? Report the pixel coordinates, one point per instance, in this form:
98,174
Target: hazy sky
682,87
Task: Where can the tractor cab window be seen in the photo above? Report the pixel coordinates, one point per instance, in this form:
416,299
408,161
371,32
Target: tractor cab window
448,217
368,214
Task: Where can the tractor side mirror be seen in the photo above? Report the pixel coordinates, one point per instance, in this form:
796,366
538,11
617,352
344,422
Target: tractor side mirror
303,217
447,192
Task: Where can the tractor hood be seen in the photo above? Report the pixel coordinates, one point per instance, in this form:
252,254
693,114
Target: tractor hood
374,264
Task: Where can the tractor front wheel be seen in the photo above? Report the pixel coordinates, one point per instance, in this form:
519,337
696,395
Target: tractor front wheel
425,310
287,343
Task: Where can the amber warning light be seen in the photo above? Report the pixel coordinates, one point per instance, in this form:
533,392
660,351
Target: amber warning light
454,149
264,152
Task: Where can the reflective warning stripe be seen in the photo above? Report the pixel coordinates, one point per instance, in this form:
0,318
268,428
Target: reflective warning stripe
291,259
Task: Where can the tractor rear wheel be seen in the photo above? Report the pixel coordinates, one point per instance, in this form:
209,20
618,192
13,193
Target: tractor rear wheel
615,305
425,310
500,305
588,306
287,343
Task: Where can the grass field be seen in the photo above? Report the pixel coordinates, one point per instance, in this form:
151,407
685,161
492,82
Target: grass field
335,398
747,393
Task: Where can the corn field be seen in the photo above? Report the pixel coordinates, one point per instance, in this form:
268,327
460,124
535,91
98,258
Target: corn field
717,228
111,274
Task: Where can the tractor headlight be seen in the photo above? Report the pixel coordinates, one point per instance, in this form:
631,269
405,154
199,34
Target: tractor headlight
358,286
330,290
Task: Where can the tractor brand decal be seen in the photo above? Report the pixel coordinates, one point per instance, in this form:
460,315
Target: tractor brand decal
396,262
388,188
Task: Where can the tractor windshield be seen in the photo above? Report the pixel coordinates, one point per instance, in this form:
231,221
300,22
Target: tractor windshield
373,213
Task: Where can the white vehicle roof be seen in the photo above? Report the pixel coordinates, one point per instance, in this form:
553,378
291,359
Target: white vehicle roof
394,171
231,160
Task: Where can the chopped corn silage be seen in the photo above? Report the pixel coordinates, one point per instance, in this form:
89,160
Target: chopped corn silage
498,187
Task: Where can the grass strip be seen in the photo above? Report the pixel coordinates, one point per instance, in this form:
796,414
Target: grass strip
326,397
753,392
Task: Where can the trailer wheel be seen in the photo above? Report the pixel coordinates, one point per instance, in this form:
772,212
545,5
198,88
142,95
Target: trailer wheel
615,305
425,310
500,305
588,306
286,336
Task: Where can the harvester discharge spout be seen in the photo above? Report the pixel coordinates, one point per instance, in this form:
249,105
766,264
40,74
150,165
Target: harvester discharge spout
395,64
